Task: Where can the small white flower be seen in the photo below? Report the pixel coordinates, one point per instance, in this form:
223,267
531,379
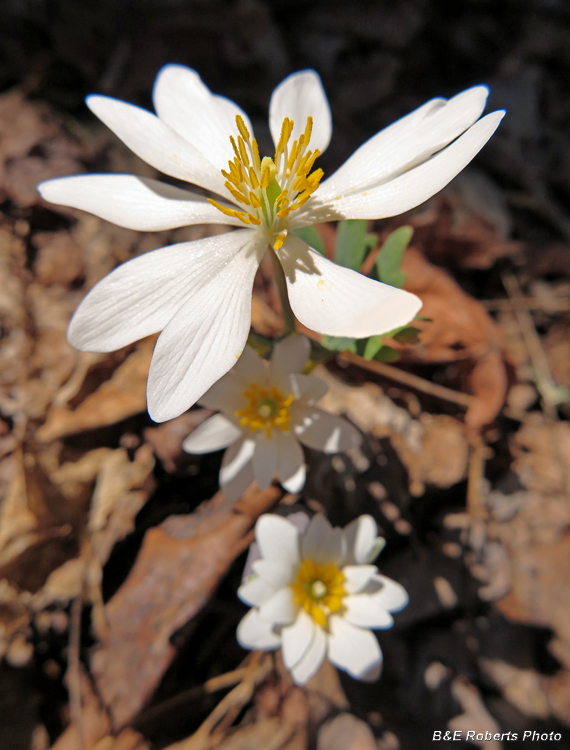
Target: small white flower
267,409
315,594
199,293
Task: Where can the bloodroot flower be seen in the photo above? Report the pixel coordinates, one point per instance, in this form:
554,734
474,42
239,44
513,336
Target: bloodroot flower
199,293
315,594
267,408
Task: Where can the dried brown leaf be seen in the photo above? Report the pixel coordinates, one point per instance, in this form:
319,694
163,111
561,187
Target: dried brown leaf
346,731
178,567
475,716
122,396
521,687
460,329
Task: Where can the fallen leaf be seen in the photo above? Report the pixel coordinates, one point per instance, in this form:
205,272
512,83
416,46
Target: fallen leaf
122,396
475,717
177,569
521,687
346,731
459,329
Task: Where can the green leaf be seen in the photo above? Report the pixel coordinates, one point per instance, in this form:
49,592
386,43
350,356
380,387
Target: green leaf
339,343
387,354
353,243
373,346
407,335
311,237
390,256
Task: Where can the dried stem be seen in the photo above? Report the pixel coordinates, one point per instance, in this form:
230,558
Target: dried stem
543,377
475,475
407,378
74,669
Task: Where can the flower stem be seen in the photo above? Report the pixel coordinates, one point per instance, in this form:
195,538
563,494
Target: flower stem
289,318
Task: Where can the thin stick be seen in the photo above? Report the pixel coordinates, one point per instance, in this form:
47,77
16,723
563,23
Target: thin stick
475,475
407,378
279,275
554,304
74,668
543,377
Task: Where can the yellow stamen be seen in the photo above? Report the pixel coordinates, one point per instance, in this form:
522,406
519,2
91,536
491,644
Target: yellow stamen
243,152
235,148
280,239
267,409
253,181
239,196
255,202
319,589
255,155
243,216
242,128
273,188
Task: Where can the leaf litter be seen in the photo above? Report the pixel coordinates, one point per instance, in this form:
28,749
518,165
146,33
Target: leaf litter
79,459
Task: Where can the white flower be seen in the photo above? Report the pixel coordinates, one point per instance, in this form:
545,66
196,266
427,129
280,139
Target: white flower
315,594
199,293
267,409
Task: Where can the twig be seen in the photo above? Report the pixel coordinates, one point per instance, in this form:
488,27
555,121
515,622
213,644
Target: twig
475,475
260,666
407,378
554,304
550,393
154,713
74,668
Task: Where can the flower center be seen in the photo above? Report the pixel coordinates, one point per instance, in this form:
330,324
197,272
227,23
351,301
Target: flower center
319,589
267,408
271,188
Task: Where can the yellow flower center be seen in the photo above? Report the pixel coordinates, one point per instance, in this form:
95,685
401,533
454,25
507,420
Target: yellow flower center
267,408
319,589
271,188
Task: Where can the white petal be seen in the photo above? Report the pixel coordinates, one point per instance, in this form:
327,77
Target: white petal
236,472
278,539
412,188
256,591
356,577
186,104
313,658
322,431
407,142
393,596
299,96
353,649
322,543
307,389
290,463
275,572
215,433
226,394
157,143
338,301
133,202
250,368
253,632
296,639
227,111
366,612
141,296
264,459
280,608
204,339
288,356
361,536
